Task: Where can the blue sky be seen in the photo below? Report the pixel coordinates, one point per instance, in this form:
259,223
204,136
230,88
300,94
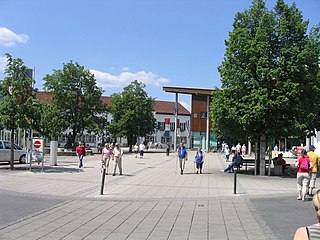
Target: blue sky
159,42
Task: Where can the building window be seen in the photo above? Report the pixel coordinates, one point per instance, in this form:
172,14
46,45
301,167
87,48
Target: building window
165,140
149,139
182,127
203,114
92,138
172,126
161,126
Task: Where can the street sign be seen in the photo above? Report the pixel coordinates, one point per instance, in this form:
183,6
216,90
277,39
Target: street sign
37,144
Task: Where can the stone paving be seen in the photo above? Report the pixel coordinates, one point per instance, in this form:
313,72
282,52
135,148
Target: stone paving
150,201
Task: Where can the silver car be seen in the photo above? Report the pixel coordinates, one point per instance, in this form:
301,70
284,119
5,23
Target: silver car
19,153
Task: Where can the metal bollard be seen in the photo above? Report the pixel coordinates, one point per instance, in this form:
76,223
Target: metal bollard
235,182
103,180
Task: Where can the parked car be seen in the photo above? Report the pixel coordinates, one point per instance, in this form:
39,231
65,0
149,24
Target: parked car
5,149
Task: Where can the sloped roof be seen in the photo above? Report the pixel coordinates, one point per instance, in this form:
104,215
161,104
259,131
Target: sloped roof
45,96
168,108
161,107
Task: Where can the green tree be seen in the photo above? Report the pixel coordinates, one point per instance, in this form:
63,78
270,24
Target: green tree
266,75
76,97
47,120
132,112
18,96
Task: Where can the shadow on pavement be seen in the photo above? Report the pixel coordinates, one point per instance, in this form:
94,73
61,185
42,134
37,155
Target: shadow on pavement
46,169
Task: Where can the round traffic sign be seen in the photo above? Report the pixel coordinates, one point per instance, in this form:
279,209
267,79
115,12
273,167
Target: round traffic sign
37,144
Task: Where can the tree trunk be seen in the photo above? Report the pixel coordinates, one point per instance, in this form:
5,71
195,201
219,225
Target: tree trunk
257,157
130,142
74,144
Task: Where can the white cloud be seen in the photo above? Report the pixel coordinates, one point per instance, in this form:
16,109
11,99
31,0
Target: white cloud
125,69
3,63
186,105
107,80
9,38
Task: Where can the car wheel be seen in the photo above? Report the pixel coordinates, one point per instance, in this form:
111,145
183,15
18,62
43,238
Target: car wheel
22,159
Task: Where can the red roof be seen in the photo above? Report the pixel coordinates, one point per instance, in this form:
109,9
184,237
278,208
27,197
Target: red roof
162,107
168,108
45,96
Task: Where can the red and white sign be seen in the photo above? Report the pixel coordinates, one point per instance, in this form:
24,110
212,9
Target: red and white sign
37,144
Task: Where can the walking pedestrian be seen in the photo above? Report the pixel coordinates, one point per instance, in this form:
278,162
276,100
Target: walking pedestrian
233,149
223,147
105,157
227,153
243,149
199,160
311,231
303,164
141,149
81,153
183,156
238,148
117,154
168,149
136,149
315,168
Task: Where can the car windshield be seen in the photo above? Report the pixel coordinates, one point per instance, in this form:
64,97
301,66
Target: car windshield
17,147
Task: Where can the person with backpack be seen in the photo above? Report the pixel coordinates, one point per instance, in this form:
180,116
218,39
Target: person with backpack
199,159
304,164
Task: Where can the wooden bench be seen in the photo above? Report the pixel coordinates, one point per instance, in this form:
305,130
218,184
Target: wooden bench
250,162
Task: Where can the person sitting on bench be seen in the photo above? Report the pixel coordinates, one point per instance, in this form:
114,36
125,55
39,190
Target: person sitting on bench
281,162
237,161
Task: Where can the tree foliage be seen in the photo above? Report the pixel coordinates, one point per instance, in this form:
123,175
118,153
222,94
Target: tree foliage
18,96
47,120
76,97
132,112
270,75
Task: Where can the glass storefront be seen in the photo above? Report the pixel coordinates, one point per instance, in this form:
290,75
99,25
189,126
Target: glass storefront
199,140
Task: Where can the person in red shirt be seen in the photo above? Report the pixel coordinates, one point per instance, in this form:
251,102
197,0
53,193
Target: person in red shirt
304,164
280,161
81,152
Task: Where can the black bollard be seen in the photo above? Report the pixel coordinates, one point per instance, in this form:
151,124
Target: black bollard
235,182
102,181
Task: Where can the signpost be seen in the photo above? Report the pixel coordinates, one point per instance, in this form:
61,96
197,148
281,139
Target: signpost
37,150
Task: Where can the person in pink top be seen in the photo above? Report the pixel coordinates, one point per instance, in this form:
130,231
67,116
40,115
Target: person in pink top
304,164
243,149
105,157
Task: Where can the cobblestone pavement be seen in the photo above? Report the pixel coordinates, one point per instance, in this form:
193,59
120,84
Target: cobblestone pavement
150,201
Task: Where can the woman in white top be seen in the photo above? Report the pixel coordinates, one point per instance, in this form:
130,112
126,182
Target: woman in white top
105,157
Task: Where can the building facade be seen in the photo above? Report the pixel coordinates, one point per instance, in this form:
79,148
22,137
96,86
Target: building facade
162,110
